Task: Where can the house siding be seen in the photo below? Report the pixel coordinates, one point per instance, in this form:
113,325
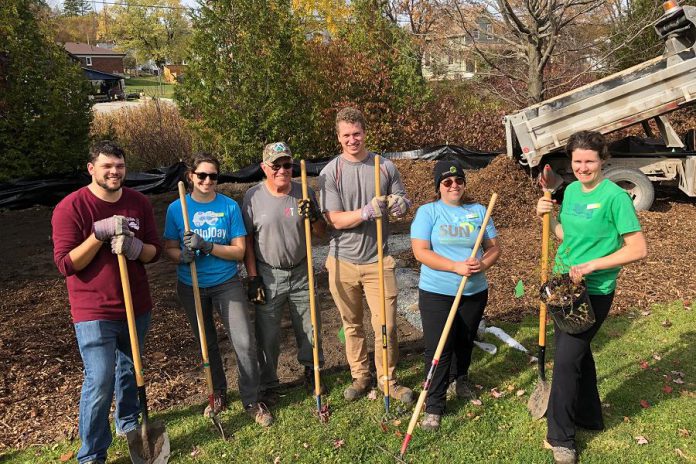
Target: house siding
107,64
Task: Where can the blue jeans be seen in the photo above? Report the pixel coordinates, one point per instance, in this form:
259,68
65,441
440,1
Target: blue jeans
108,366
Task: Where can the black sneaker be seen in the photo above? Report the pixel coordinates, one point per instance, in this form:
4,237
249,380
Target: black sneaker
308,381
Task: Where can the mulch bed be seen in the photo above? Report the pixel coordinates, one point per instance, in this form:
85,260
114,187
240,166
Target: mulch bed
40,372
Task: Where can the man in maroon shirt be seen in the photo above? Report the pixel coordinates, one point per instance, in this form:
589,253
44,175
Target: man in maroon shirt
89,226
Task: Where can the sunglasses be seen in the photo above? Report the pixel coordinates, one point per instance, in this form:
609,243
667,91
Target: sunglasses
449,181
204,175
276,167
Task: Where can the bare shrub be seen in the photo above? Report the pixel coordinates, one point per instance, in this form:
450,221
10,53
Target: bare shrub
153,134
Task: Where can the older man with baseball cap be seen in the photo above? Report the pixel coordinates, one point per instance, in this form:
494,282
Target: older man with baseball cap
276,255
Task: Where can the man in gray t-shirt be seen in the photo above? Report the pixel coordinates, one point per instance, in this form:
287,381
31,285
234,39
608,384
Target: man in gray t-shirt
349,204
276,261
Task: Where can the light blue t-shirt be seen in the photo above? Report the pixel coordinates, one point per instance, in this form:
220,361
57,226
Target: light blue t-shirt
218,221
452,232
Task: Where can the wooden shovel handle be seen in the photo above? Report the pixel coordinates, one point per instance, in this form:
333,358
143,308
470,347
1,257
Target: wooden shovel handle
545,232
130,316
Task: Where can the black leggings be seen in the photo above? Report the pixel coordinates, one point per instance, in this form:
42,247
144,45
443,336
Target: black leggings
574,397
434,309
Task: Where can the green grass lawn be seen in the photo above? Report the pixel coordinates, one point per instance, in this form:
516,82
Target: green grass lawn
640,357
150,86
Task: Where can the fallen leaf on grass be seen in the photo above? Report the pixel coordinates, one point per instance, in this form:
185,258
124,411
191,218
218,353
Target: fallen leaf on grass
678,381
66,457
339,442
383,426
678,373
520,392
478,387
667,389
666,323
645,313
470,415
626,419
476,402
680,453
276,460
657,357
644,404
372,395
606,405
641,440
305,445
196,451
684,433
396,422
398,434
495,393
510,388
644,364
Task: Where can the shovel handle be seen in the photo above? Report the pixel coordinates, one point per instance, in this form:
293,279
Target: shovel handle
382,293
545,233
130,316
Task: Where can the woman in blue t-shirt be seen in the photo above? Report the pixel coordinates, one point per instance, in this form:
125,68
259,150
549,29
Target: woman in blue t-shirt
216,242
443,235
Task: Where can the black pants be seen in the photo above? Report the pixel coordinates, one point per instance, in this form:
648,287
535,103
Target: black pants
574,397
434,309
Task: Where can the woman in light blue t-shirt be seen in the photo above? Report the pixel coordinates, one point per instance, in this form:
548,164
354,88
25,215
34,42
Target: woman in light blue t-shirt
216,242
443,235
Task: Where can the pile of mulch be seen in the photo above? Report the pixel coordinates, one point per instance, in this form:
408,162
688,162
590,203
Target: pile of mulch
40,366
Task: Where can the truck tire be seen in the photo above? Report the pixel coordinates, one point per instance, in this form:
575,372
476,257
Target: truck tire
635,183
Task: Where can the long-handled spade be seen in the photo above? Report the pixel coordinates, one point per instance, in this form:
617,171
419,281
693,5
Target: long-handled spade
322,411
199,317
149,442
445,333
539,399
383,308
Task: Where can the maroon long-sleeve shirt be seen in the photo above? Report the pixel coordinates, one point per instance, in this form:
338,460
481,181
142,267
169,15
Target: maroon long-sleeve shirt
95,292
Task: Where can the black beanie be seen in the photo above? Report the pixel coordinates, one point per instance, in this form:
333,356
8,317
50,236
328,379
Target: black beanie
446,168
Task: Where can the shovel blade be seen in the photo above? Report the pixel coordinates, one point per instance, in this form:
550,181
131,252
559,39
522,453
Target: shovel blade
539,400
155,451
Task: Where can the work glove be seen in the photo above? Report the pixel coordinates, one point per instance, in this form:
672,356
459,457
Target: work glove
308,209
193,242
256,291
187,256
377,207
398,205
127,245
109,227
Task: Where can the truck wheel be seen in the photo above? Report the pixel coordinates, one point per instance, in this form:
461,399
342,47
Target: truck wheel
635,183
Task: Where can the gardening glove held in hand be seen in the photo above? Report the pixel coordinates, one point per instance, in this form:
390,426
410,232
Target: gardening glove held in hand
398,205
193,241
109,227
256,292
308,209
127,245
187,256
377,207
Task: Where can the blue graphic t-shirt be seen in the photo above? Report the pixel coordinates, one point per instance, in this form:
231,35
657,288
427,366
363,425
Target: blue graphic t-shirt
452,232
218,221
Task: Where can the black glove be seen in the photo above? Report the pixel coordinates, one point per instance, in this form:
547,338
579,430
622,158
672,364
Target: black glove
193,242
187,256
308,209
256,292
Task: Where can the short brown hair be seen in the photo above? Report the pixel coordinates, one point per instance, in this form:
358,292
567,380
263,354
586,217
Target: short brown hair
588,140
350,115
203,157
105,147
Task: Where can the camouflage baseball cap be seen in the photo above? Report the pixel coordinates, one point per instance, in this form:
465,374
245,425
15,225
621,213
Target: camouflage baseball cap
274,151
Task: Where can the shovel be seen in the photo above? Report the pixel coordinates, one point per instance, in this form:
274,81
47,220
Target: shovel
539,399
199,317
148,443
382,292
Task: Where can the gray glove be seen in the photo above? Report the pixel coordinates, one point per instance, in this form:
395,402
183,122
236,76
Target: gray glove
193,242
107,228
377,207
398,205
127,245
187,256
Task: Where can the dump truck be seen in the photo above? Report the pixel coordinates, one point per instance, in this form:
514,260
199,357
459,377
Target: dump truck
635,96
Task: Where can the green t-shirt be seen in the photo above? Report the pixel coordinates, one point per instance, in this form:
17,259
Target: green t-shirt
593,225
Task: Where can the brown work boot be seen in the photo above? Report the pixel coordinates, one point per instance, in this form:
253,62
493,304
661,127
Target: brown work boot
219,404
260,413
401,393
358,389
430,422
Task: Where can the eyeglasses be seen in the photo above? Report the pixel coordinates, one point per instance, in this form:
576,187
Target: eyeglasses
276,167
204,175
449,181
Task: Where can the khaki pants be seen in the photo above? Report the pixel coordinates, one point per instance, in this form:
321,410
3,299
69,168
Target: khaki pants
347,282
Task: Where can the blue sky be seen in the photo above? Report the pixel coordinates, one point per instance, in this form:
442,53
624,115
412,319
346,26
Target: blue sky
97,4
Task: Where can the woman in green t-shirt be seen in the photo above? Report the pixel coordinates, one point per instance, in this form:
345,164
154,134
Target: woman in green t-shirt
599,233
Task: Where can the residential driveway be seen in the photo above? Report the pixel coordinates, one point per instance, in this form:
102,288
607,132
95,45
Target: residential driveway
110,107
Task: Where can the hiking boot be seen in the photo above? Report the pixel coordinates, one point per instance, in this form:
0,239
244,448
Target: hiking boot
463,389
308,381
260,413
358,389
219,404
430,422
401,393
561,454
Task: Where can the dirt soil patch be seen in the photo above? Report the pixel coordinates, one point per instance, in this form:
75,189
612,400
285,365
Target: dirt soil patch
40,371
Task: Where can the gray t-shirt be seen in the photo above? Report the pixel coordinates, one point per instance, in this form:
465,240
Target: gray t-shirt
347,186
277,226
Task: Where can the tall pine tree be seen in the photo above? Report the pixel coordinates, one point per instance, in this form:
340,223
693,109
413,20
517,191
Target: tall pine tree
76,7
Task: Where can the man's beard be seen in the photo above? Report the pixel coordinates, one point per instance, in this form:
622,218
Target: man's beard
103,184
